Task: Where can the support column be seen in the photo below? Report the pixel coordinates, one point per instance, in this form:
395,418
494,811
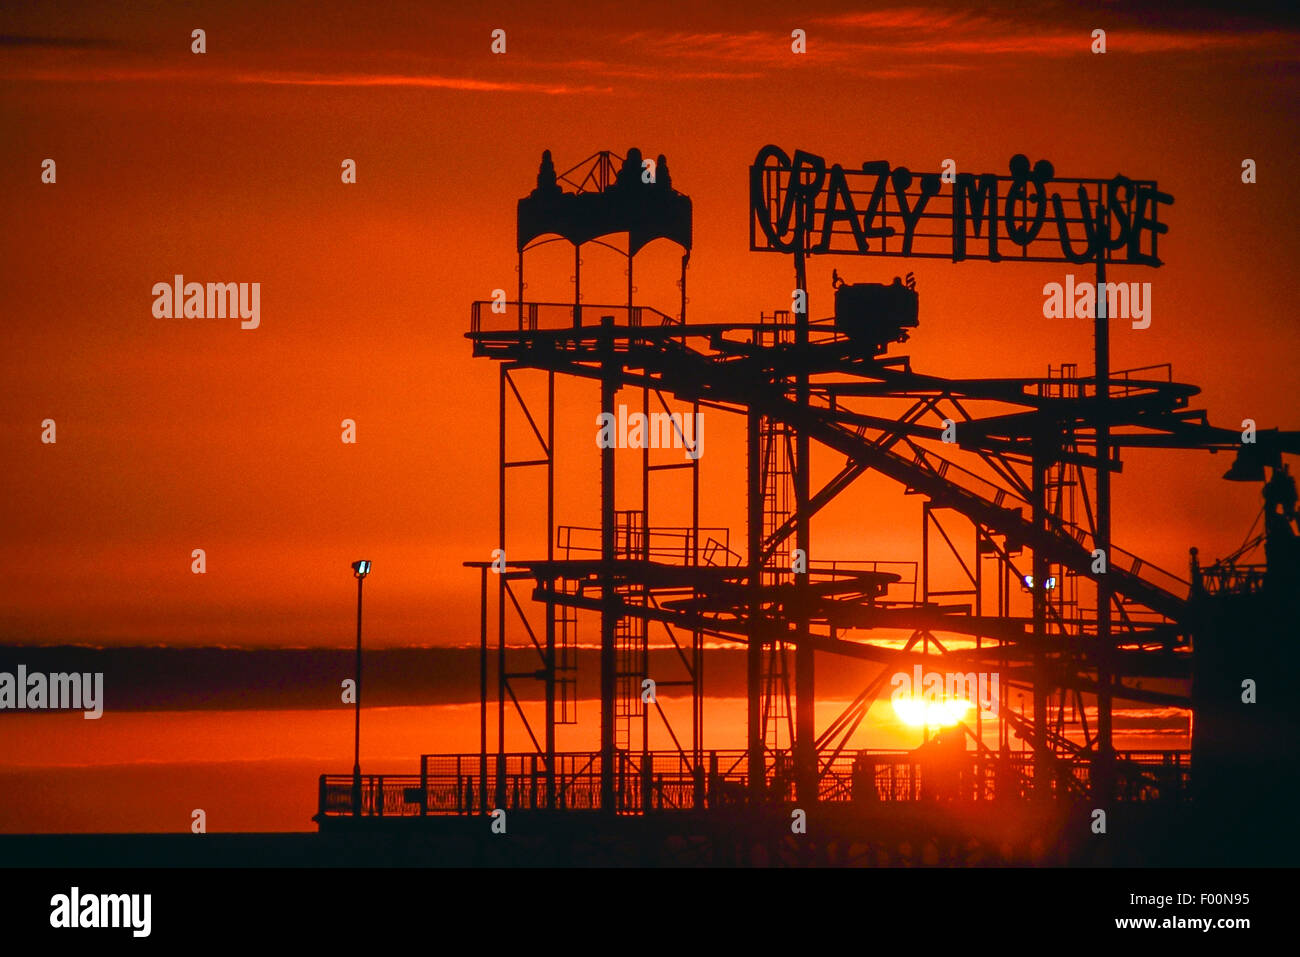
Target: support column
697,637
577,285
805,748
1103,766
550,605
1042,766
754,651
609,602
500,795
483,692
644,592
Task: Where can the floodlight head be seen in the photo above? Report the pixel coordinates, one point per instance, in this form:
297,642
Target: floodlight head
361,569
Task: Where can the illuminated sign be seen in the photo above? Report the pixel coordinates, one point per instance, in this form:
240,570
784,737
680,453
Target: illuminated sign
1028,214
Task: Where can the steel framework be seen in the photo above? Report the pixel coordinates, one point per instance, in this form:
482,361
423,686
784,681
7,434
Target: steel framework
1015,480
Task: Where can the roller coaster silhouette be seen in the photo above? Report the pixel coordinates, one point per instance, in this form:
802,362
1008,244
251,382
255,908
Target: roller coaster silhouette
1019,468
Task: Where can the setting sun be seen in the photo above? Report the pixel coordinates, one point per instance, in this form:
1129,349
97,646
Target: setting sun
916,711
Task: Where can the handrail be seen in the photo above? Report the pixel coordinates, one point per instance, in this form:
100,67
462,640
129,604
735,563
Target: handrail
487,315
451,784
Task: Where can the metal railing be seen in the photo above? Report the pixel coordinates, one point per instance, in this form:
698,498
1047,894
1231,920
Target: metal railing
494,316
906,571
1225,578
670,544
453,784
965,481
381,795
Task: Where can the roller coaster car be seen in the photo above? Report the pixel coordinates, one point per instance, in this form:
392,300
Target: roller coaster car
873,314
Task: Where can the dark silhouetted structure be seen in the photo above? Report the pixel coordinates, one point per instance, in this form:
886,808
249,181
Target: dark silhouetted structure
1014,478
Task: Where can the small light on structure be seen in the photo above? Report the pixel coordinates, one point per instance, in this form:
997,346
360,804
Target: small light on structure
361,569
1050,583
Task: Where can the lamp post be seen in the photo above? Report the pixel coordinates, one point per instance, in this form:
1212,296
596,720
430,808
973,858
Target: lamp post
360,569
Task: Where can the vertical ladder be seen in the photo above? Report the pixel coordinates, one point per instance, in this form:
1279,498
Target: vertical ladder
566,664
629,634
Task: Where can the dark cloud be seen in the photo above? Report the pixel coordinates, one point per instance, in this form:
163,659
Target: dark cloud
73,43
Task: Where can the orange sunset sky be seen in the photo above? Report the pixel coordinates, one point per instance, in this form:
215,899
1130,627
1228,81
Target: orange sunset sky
176,434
